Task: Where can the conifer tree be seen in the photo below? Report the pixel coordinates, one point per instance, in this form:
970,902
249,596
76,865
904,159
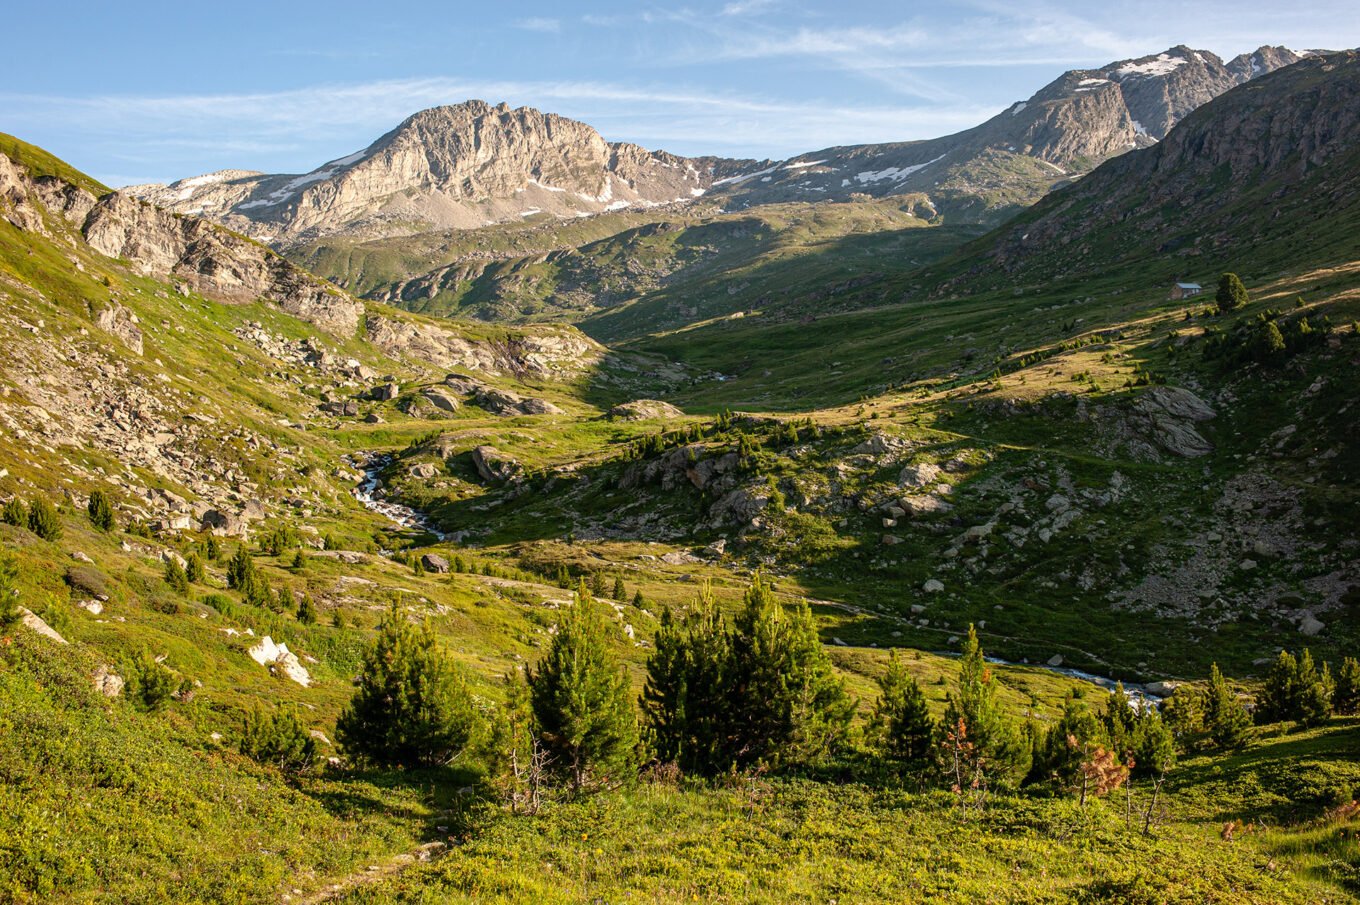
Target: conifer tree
1346,693
581,700
788,704
901,726
518,761
1267,342
306,611
1314,697
194,568
1231,293
278,738
241,571
620,592
1278,698
9,609
212,548
149,683
100,510
175,576
597,588
1071,742
1225,719
687,699
638,600
1002,755
412,706
1119,721
43,521
15,513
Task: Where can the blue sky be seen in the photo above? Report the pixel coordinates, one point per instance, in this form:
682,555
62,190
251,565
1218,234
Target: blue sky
154,91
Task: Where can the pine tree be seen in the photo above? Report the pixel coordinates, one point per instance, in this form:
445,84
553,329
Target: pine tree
212,548
1071,743
1225,719
597,588
277,738
149,684
1231,293
620,592
175,576
241,571
638,600
1002,755
299,561
686,700
1154,747
412,706
1278,698
306,612
519,762
1346,693
15,513
1267,342
788,704
9,609
1119,721
43,521
194,569
581,700
901,726
100,510
1314,705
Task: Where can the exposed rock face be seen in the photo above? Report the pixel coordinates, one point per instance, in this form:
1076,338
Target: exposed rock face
214,262
433,562
548,353
1167,415
448,167
1270,143
1083,117
34,622
643,410
441,399
122,323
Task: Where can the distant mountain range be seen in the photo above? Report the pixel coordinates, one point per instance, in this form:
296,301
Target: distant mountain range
472,164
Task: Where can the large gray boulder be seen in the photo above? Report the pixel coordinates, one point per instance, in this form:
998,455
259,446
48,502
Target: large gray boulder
644,410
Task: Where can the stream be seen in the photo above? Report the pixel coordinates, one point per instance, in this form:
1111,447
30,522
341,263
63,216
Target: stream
369,489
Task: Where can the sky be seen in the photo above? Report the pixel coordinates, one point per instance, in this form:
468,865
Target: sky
155,91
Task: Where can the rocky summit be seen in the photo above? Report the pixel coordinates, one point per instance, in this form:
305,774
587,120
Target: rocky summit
504,514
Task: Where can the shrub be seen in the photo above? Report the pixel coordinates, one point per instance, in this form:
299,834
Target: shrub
412,706
149,683
15,513
100,511
9,609
43,520
279,739
86,579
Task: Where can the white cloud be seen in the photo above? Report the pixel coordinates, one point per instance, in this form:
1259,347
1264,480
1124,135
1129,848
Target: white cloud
308,126
540,23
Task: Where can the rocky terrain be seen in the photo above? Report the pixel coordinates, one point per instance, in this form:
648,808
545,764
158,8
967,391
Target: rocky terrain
464,166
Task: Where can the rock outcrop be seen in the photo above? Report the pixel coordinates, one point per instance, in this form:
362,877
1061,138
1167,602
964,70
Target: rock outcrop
456,166
644,410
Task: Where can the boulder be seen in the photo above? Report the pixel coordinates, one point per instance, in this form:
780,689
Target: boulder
463,386
1310,625
279,658
504,402
923,506
918,475
644,410
1055,660
494,465
384,392
933,586
433,562
34,622
107,682
424,470
441,399
891,540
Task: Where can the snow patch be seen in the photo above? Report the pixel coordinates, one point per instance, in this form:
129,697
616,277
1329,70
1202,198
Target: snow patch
1164,64
1138,128
893,173
732,180
1015,111
802,164
1091,83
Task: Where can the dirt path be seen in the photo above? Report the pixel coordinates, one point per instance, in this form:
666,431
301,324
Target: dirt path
430,851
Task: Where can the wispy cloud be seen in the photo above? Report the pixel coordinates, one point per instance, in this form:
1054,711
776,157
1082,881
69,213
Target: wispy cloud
540,23
311,125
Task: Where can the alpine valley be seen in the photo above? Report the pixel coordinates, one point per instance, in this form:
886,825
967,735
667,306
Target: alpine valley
503,514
